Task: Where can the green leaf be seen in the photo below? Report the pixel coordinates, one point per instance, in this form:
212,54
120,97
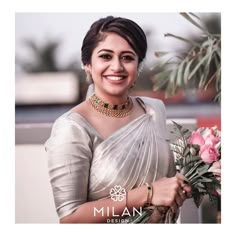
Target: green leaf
206,180
202,170
210,52
161,54
161,79
185,131
180,73
193,43
187,71
161,63
170,90
199,185
173,76
218,78
197,197
186,16
202,77
190,13
191,173
218,97
186,152
178,126
218,51
200,63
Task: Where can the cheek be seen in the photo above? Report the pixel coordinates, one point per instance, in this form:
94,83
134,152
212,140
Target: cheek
98,67
133,71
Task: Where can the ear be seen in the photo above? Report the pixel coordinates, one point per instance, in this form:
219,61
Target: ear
87,69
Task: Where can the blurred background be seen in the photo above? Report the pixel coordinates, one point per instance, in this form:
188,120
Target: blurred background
49,81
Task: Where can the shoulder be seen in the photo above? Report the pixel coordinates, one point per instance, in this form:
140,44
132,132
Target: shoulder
68,128
72,118
68,120
156,109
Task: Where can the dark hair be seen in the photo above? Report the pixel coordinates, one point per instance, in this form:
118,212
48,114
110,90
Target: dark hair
125,28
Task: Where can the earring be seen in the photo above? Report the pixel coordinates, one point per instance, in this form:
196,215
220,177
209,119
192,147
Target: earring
88,77
82,65
140,68
133,85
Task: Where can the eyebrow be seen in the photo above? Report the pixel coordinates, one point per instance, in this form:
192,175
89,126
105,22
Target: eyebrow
108,50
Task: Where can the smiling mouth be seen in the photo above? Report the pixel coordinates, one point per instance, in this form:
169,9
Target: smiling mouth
115,78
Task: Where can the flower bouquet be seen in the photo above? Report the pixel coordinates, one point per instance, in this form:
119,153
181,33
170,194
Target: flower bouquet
197,157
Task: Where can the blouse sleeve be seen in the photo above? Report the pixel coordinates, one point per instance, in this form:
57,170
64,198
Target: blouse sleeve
69,157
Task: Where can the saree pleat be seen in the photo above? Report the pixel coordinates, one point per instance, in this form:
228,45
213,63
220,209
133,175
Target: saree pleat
128,158
114,155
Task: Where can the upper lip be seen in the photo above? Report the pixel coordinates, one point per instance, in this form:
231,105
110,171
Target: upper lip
116,75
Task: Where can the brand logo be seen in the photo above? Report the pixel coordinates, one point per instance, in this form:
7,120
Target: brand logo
117,193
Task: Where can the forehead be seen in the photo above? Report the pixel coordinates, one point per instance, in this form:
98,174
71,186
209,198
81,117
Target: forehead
114,42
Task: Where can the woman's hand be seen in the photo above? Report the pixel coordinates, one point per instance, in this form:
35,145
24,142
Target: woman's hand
170,192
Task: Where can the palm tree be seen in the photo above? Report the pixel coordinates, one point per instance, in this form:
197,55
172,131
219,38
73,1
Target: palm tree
197,68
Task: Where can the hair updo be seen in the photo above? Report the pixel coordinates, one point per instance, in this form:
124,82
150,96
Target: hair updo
125,28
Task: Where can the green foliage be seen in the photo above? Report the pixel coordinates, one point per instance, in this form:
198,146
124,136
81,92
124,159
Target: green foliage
44,57
197,68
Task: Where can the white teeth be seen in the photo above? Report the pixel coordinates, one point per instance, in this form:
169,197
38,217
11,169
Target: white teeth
115,77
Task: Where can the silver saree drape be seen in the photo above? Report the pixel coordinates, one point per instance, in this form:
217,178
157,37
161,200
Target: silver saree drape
84,167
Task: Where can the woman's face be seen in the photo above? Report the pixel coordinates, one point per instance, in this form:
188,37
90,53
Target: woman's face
113,66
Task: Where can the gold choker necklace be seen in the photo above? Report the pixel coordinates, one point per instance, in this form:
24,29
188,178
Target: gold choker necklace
107,109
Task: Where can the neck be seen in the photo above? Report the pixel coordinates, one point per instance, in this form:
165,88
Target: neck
112,99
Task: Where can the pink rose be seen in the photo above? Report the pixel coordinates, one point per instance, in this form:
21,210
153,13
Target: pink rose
208,153
211,139
196,138
207,131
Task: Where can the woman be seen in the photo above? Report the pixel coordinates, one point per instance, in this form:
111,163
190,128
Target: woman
112,145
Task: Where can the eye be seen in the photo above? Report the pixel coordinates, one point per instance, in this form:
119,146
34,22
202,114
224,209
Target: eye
105,56
128,58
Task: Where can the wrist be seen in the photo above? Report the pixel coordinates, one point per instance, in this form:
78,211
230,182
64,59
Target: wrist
149,194
137,197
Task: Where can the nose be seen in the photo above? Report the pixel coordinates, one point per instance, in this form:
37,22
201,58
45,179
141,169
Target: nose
117,65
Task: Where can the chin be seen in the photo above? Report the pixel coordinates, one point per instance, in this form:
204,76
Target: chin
117,92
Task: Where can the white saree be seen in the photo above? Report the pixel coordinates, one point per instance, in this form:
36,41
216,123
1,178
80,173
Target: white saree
84,167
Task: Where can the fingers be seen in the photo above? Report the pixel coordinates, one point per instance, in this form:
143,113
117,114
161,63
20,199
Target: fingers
185,189
182,194
170,192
